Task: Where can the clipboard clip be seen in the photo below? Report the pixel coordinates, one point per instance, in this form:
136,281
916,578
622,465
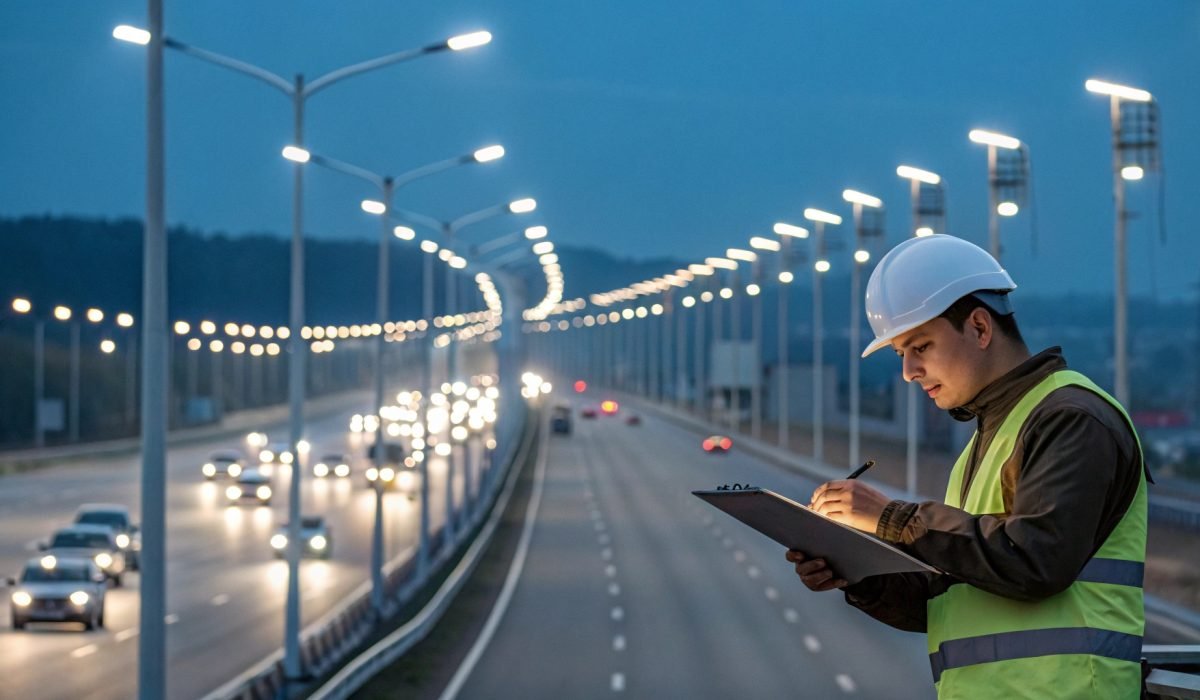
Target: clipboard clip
736,487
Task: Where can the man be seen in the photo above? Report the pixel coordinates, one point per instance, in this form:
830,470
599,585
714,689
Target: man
1042,534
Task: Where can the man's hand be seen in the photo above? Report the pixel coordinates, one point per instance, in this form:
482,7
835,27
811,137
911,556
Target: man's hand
814,573
850,502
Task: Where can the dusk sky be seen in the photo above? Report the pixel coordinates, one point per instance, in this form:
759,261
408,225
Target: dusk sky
644,129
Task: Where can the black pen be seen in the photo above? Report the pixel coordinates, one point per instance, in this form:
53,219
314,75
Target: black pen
858,472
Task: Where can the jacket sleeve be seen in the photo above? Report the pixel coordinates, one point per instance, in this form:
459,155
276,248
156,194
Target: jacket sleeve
896,600
1064,486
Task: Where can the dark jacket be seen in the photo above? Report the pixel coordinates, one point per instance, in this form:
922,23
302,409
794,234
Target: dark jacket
1072,475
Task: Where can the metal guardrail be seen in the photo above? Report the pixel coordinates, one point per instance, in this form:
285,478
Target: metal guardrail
326,642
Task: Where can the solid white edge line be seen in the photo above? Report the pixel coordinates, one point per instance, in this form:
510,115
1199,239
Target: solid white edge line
510,584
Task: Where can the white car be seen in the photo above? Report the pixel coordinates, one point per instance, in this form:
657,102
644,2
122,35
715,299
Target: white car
225,463
332,465
314,532
118,519
95,542
253,485
53,589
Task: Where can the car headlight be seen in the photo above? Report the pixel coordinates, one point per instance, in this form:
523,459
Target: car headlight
266,456
387,474
233,493
79,598
122,540
21,599
372,474
235,470
285,457
104,560
320,469
279,541
263,492
342,470
318,542
209,469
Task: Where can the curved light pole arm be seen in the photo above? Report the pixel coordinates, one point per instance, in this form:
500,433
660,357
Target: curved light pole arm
497,243
411,217
476,216
430,169
333,76
348,169
233,64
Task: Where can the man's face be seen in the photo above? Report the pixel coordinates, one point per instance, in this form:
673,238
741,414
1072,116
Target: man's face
945,362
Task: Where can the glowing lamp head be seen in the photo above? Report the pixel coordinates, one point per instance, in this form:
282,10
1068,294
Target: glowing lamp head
468,41
296,154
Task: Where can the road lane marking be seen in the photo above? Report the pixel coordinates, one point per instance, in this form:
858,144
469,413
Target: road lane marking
739,556
619,643
171,619
771,593
85,651
603,538
846,683
610,571
126,634
753,572
717,532
727,542
596,514
599,526
813,644
618,613
606,553
708,519
220,599
618,682
791,616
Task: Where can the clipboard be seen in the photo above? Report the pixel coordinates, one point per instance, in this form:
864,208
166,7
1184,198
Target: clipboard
852,554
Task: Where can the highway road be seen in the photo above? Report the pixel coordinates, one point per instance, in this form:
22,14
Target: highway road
634,586
226,591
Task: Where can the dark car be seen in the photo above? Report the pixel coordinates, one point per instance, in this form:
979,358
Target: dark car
717,444
560,420
588,412
633,419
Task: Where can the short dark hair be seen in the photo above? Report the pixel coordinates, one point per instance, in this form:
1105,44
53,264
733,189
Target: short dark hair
959,311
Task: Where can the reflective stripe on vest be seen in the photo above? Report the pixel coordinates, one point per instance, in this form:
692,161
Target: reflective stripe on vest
983,645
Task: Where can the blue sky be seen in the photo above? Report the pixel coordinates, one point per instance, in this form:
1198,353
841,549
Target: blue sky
645,129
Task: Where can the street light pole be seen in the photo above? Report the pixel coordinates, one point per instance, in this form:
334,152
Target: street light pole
861,256
756,403
786,233
820,266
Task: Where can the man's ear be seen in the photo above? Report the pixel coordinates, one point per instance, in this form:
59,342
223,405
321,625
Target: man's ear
980,326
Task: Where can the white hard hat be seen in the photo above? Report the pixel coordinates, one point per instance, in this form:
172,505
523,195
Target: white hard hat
920,278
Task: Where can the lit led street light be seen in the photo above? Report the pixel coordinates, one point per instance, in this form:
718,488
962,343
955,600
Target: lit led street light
911,173
866,200
468,41
372,206
760,243
533,233
991,138
404,233
522,206
820,216
1124,92
784,229
133,35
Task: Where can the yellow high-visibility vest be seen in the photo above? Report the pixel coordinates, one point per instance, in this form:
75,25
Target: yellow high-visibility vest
1084,642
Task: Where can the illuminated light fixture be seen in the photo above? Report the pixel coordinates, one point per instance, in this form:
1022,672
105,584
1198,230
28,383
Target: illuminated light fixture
706,297
753,289
22,306
522,206
107,346
208,327
468,41
739,254
784,229
457,263
489,153
924,231
861,256
62,313
1124,92
182,327
856,197
786,277
722,263
919,175
194,344
404,233
821,266
445,254
543,248
95,315
296,154
548,259
535,232
760,243
991,138
429,246
703,270
726,293
216,346
822,216
248,330
373,207
125,320
689,302
1007,208
1132,172
132,34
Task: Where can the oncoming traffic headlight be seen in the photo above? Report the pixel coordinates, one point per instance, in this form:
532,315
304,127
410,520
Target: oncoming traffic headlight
263,492
122,540
21,599
278,541
317,542
387,474
79,598
235,470
209,469
372,474
320,469
104,560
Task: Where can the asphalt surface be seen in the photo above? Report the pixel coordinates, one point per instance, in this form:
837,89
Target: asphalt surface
633,586
226,591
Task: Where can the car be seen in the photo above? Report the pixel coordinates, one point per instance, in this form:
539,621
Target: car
95,542
253,485
314,532
560,420
588,412
717,444
633,419
116,517
58,589
274,454
224,463
609,407
332,464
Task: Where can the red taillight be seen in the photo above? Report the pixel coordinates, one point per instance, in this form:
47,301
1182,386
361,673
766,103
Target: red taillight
580,386
707,445
726,443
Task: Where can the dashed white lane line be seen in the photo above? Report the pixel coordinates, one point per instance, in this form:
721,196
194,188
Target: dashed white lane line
812,643
85,651
771,593
220,599
619,643
708,520
606,554
727,542
718,532
618,682
614,588
596,515
791,616
846,683
610,571
600,527
603,538
753,572
739,556
171,619
126,634
618,613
